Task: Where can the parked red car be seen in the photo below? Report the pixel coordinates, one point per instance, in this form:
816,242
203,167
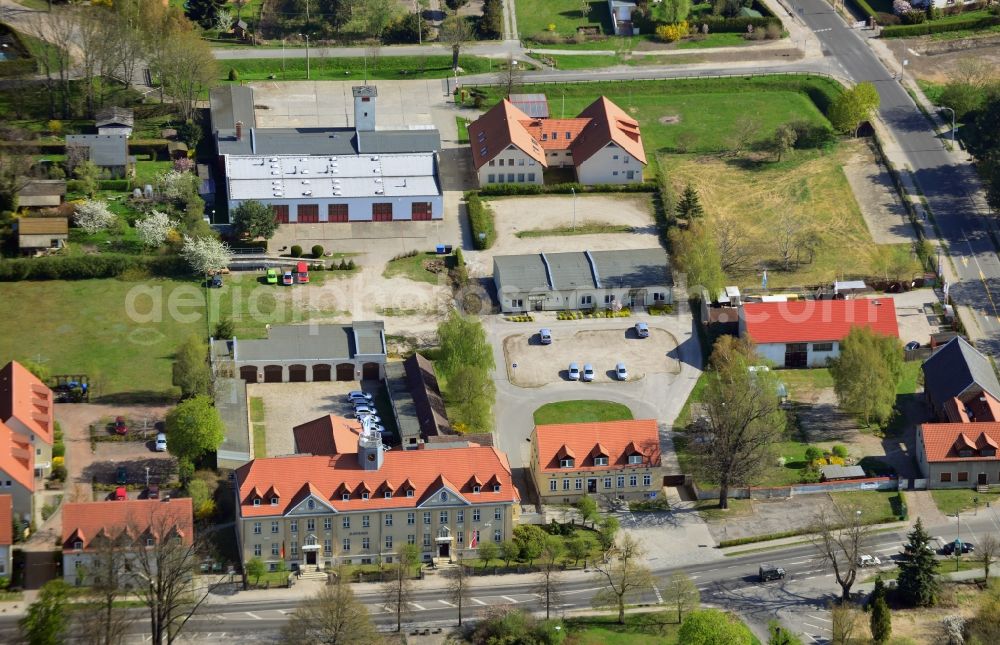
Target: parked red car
120,427
121,494
302,272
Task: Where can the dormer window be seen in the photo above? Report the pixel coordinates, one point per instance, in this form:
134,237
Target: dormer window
256,501
388,494
274,501
78,545
566,463
965,452
545,136
476,489
988,452
346,497
496,488
364,495
149,542
634,459
600,461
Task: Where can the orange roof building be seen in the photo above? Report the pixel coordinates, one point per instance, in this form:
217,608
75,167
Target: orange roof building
610,460
355,501
6,534
88,526
602,145
959,455
26,404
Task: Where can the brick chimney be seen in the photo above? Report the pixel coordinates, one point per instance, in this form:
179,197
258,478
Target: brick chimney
239,130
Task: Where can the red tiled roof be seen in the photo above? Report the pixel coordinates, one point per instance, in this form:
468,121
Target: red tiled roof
84,521
608,123
25,398
329,435
942,440
617,439
425,471
17,457
803,321
551,133
490,134
6,520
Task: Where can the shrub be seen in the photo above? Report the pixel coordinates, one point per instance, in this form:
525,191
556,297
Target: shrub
481,221
58,451
117,185
58,473
672,33
913,17
909,31
84,267
233,74
58,461
840,451
813,453
296,251
317,251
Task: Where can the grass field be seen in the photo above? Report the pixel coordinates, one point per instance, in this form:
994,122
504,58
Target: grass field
259,431
413,267
463,129
583,61
581,412
759,198
535,16
702,113
876,506
953,500
658,628
340,69
123,333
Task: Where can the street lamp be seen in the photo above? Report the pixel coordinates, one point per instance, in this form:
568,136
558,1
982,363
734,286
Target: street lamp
573,190
952,110
306,36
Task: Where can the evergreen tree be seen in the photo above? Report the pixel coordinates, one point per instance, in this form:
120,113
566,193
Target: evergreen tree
689,205
491,23
918,584
204,12
881,620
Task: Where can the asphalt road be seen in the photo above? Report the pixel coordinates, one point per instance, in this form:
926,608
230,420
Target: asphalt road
800,599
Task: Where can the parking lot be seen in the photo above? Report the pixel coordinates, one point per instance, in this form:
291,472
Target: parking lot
539,364
287,405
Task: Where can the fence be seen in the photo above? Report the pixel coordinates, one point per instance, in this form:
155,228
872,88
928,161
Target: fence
780,492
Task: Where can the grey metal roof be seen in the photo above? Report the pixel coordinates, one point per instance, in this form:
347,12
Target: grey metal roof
956,366
635,269
534,105
105,150
229,104
325,141
520,271
369,337
115,116
403,405
304,342
842,472
231,402
423,385
570,271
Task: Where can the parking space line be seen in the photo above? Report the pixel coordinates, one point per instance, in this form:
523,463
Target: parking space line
418,607
825,620
446,603
253,615
814,626
477,601
509,599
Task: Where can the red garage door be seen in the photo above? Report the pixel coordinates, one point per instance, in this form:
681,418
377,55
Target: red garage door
421,211
381,212
336,213
307,213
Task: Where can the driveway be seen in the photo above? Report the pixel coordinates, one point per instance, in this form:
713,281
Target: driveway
916,318
539,364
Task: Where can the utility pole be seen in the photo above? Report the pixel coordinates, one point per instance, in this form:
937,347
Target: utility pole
420,35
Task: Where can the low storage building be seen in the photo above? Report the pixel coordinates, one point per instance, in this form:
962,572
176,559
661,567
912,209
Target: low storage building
40,234
583,280
608,460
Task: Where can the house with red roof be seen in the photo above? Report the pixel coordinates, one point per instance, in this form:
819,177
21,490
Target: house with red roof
346,499
608,460
90,528
6,535
959,455
602,145
27,429
808,333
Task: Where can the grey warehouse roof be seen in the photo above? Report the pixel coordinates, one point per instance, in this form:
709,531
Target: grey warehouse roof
229,104
587,269
956,366
325,141
306,342
104,149
115,116
842,472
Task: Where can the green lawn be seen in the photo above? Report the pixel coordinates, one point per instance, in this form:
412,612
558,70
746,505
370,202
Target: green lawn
463,129
583,61
581,412
123,333
714,40
953,500
706,114
340,69
591,228
911,374
535,16
805,382
659,628
259,431
684,416
876,506
415,267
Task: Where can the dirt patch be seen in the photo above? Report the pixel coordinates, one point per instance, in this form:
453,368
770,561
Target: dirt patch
937,67
516,214
884,214
771,516
539,364
670,119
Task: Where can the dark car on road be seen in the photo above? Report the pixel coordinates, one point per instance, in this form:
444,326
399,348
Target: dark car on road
121,475
959,546
770,572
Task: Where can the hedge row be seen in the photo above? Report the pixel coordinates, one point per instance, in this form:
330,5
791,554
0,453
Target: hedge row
719,25
119,185
500,190
865,8
481,222
85,267
937,27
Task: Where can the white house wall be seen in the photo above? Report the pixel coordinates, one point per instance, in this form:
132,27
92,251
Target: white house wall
603,168
576,299
775,353
772,352
517,168
819,359
359,209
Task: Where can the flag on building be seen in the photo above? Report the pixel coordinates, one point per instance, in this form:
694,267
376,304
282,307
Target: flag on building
475,540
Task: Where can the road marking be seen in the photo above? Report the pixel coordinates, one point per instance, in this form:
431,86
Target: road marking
815,626
509,599
446,603
704,588
825,620
819,31
829,575
285,612
477,601
659,598
810,637
419,607
913,52
253,615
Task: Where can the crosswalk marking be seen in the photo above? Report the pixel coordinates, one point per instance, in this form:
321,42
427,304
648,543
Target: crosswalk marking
253,615
509,599
477,601
418,607
446,603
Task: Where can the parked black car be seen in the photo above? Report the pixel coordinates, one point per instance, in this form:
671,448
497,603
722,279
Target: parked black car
121,475
958,545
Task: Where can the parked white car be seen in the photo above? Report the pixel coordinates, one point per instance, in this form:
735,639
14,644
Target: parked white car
868,561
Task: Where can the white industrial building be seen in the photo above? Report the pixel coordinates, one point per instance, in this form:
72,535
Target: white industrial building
327,175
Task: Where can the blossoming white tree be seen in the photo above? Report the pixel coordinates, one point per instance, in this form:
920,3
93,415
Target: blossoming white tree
93,216
205,254
154,228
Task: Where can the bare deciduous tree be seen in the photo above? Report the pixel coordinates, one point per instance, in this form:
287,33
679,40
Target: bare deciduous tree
458,586
733,249
787,235
989,550
396,593
549,578
681,592
189,71
333,615
509,78
55,32
839,537
845,619
102,622
745,130
622,576
455,31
